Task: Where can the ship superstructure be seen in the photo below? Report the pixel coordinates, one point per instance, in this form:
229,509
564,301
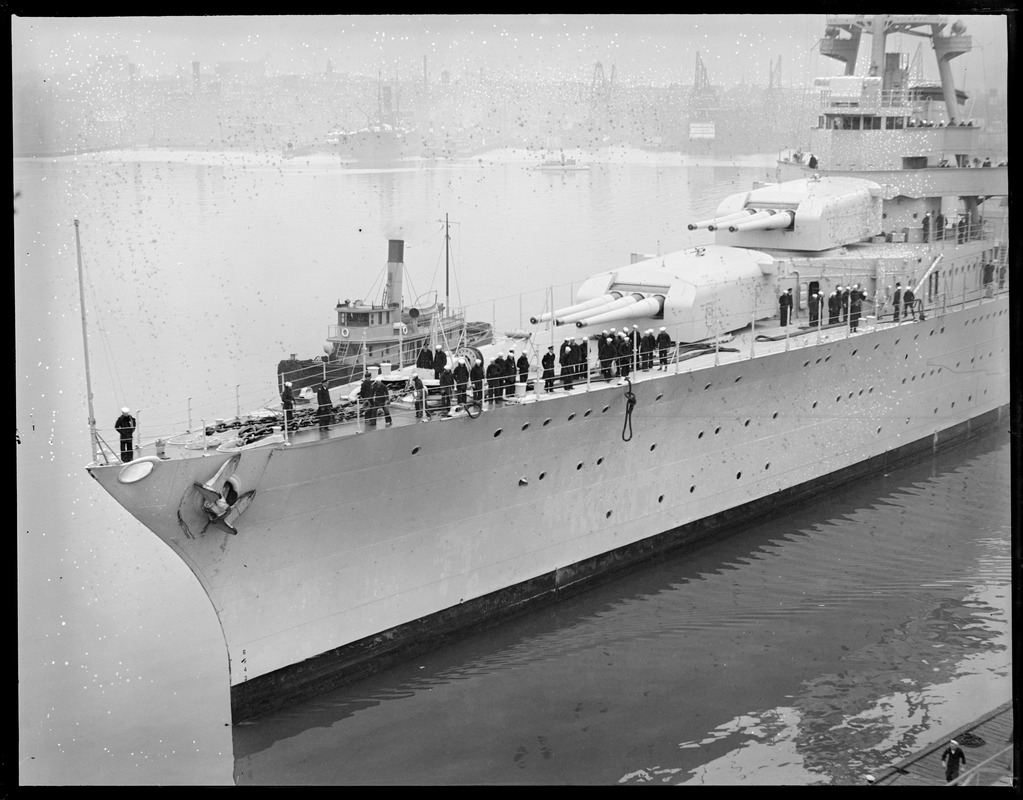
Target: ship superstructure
515,500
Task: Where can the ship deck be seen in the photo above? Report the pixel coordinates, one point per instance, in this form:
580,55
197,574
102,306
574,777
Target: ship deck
762,338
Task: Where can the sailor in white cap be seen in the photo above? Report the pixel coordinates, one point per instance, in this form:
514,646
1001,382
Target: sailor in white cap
646,349
287,403
125,426
953,758
663,344
461,376
440,359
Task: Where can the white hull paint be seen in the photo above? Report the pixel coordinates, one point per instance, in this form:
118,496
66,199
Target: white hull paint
351,537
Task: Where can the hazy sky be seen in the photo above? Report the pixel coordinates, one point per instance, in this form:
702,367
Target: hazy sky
645,49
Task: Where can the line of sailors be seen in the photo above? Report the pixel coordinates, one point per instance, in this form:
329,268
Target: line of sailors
844,305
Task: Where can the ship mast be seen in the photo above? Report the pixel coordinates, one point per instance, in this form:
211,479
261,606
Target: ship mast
447,247
93,435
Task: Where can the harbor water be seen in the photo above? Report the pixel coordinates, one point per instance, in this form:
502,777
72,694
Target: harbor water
808,648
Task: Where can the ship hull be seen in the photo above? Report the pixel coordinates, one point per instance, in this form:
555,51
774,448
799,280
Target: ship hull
358,551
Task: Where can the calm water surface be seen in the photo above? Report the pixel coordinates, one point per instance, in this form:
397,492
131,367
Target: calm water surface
806,649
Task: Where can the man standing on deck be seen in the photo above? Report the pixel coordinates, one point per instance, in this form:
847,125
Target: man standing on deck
325,407
789,304
523,365
663,344
547,362
953,758
125,426
896,301
419,395
476,376
461,376
909,303
815,309
844,297
567,361
833,307
287,404
439,361
783,308
447,384
927,226
425,360
381,399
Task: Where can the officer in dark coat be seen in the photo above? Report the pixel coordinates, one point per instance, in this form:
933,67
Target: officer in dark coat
382,400
897,301
125,426
287,403
447,385
663,345
461,375
783,309
846,292
909,303
425,360
566,359
646,349
606,354
547,362
494,374
582,358
440,361
510,373
833,312
366,399
324,408
523,365
476,376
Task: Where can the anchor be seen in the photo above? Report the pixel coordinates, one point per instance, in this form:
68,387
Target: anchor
221,500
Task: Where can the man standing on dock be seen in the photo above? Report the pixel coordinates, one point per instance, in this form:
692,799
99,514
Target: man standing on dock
953,758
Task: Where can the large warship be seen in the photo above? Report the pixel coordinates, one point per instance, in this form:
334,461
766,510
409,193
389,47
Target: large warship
793,360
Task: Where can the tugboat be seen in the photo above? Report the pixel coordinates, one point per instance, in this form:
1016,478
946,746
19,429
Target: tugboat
386,334
786,367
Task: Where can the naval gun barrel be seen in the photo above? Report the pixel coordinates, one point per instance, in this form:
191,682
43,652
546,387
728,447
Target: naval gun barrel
772,220
586,305
715,222
643,307
622,302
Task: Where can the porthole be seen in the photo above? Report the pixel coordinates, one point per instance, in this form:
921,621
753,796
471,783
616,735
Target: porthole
658,397
415,451
738,379
767,465
653,447
660,498
905,357
854,352
897,341
717,430
705,388
911,379
700,435
738,475
827,359
876,346
903,380
525,426
916,336
850,395
600,461
953,404
543,475
547,422
588,412
878,430
818,361
838,399
931,333
870,390
935,411
942,328
571,417
604,409
774,415
806,364
814,404
861,393
932,372
607,515
692,489
745,424
497,432
579,465
970,398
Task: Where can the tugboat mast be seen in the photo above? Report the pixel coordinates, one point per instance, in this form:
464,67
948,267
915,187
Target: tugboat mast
447,244
94,437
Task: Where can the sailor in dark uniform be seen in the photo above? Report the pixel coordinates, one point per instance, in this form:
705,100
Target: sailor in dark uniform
783,309
381,400
939,226
510,373
845,304
369,410
815,309
461,376
425,360
324,408
625,357
855,306
476,376
790,303
287,404
440,360
897,301
419,395
833,302
523,365
566,360
447,385
125,426
547,362
663,345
